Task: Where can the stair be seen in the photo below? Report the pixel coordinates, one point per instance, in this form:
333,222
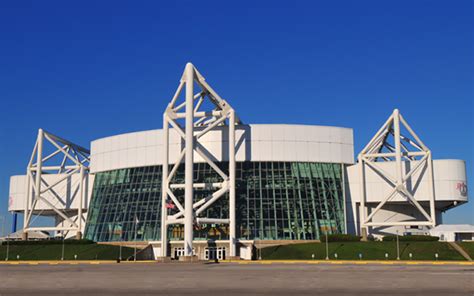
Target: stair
460,250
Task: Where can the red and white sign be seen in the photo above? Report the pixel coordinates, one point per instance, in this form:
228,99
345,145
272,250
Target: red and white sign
169,205
462,188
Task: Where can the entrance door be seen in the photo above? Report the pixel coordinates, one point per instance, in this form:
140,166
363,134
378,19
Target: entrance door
221,253
214,253
178,252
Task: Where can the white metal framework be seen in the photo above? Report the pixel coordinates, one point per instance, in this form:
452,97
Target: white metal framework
198,120
65,160
390,145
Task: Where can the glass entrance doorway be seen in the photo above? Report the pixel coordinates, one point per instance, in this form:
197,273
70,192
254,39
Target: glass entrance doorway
213,253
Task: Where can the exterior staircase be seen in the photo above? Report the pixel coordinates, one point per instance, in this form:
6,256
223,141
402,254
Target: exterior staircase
460,250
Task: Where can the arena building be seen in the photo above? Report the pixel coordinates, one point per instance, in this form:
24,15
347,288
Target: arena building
222,186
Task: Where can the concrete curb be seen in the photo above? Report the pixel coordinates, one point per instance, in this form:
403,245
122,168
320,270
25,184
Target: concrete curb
354,262
264,262
72,262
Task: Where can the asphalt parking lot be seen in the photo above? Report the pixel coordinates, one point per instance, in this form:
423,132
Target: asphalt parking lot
235,279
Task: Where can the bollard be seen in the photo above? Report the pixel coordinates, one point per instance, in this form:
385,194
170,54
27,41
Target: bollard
335,256
386,256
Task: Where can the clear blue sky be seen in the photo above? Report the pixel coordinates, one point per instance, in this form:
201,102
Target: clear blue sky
86,70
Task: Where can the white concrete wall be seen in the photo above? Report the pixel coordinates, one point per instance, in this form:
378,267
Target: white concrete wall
65,196
259,142
448,174
450,236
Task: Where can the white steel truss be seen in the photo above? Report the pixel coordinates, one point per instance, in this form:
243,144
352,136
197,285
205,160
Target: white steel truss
403,148
65,160
199,119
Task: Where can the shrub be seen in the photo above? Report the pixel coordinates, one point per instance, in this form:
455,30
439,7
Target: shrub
340,238
410,238
51,242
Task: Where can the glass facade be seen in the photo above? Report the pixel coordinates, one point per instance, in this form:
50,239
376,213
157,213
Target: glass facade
275,200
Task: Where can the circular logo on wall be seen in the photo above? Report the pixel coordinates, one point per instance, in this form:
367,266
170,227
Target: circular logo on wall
462,188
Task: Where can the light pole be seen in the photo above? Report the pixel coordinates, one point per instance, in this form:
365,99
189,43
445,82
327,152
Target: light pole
327,245
398,248
62,249
135,239
8,246
120,251
3,225
3,235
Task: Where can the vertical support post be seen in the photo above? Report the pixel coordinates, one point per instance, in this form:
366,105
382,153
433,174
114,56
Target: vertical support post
431,189
232,222
39,164
81,203
14,222
362,210
343,181
189,164
164,188
398,153
37,185
27,202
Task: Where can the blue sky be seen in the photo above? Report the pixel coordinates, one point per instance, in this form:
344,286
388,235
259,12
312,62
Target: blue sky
86,70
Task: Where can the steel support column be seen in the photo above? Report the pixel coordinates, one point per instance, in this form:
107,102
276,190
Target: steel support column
405,152
75,161
197,123
164,187
232,209
189,163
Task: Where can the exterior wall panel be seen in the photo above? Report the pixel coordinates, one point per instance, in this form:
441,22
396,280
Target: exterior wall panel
263,142
449,177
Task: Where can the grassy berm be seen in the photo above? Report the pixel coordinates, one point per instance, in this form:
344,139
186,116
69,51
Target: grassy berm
368,250
53,252
468,247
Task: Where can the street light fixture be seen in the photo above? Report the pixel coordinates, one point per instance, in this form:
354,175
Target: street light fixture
62,249
327,245
398,247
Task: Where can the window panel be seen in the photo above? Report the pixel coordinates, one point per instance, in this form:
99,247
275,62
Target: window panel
275,200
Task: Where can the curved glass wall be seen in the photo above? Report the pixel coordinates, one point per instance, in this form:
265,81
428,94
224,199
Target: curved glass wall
275,200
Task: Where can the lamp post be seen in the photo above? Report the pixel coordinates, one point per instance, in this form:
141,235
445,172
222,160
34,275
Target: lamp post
3,225
3,235
62,250
120,246
135,239
327,245
8,247
398,248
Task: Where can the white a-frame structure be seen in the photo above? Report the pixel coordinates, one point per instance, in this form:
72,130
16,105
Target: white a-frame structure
409,155
50,173
198,120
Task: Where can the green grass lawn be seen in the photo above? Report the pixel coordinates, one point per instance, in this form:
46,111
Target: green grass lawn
53,252
369,251
468,247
